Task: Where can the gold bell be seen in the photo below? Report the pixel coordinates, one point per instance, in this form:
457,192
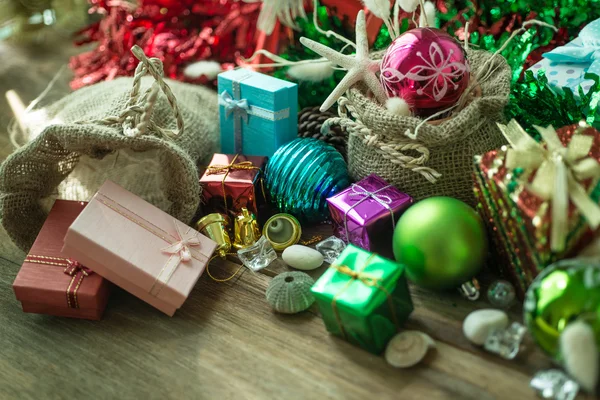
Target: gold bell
215,226
246,231
282,230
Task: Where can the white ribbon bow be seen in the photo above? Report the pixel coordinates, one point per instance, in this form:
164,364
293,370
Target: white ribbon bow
239,108
181,248
382,199
559,173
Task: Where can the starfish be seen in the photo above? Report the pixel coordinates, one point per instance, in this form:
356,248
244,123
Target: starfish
360,67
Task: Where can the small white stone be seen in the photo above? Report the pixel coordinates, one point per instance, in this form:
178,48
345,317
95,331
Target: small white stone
478,325
580,354
302,257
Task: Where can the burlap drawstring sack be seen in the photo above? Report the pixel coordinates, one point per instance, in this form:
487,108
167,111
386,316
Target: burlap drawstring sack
439,162
156,129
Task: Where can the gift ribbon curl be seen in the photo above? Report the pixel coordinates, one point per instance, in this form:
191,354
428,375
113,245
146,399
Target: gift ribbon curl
559,172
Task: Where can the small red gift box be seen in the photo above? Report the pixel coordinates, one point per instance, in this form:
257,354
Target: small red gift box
50,283
232,182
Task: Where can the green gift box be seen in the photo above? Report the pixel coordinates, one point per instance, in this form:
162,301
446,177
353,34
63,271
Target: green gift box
363,298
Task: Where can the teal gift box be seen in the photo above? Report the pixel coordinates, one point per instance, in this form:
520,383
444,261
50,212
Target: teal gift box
257,113
570,67
565,74
363,298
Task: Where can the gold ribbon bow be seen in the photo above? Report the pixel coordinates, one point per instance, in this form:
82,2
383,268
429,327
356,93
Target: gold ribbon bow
366,279
559,174
226,169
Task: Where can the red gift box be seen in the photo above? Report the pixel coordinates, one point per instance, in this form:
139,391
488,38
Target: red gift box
232,182
50,283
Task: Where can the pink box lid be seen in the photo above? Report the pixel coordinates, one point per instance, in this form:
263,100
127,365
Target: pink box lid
134,244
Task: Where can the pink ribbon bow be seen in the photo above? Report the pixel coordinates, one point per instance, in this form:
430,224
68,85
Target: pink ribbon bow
182,247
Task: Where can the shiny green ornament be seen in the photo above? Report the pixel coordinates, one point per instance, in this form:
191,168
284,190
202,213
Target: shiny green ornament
566,291
441,241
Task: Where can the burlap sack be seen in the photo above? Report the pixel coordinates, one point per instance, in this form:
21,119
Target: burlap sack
154,130
443,153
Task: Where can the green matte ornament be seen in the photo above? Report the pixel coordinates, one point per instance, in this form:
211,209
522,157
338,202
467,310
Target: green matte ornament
564,292
441,241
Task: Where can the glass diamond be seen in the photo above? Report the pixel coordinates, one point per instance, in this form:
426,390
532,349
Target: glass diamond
554,384
505,342
257,256
331,248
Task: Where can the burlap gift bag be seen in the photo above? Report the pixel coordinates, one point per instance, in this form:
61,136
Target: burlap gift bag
156,130
439,161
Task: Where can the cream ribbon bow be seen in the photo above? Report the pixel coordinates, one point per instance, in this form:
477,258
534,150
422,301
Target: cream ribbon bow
559,173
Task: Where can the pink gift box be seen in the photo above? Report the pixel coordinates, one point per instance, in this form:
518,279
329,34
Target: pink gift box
138,247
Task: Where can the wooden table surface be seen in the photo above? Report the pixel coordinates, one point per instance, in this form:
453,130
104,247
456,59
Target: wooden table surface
225,342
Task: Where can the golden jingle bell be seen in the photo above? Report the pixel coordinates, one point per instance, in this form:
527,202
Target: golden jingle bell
282,230
215,226
246,231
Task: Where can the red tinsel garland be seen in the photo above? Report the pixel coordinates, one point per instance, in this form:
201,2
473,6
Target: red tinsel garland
176,31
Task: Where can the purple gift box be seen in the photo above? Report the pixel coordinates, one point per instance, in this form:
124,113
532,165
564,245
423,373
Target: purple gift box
365,214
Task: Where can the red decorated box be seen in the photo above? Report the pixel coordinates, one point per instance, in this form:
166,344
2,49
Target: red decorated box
232,182
518,197
51,283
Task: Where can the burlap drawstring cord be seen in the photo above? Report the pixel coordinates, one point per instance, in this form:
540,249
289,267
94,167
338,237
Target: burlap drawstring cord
135,119
442,153
67,150
391,136
391,150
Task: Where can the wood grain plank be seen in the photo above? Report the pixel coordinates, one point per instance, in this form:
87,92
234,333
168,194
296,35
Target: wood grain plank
225,342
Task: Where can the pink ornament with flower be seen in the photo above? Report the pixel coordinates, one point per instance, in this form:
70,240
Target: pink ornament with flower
426,67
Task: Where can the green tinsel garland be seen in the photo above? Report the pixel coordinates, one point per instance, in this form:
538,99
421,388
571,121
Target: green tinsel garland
493,22
534,102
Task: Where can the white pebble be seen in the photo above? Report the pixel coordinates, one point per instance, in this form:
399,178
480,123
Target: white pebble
302,257
580,354
478,325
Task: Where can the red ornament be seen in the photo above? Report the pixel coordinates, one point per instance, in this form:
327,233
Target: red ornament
426,67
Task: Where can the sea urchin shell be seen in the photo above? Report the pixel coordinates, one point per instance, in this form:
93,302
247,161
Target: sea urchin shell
289,292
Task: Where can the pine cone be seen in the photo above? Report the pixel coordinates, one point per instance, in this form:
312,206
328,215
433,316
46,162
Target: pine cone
310,120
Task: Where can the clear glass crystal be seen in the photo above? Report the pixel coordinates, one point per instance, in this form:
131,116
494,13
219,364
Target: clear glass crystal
257,256
554,384
331,248
501,294
505,342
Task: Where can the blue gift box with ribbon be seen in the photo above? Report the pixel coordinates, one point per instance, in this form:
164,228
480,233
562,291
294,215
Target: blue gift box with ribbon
257,113
566,66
